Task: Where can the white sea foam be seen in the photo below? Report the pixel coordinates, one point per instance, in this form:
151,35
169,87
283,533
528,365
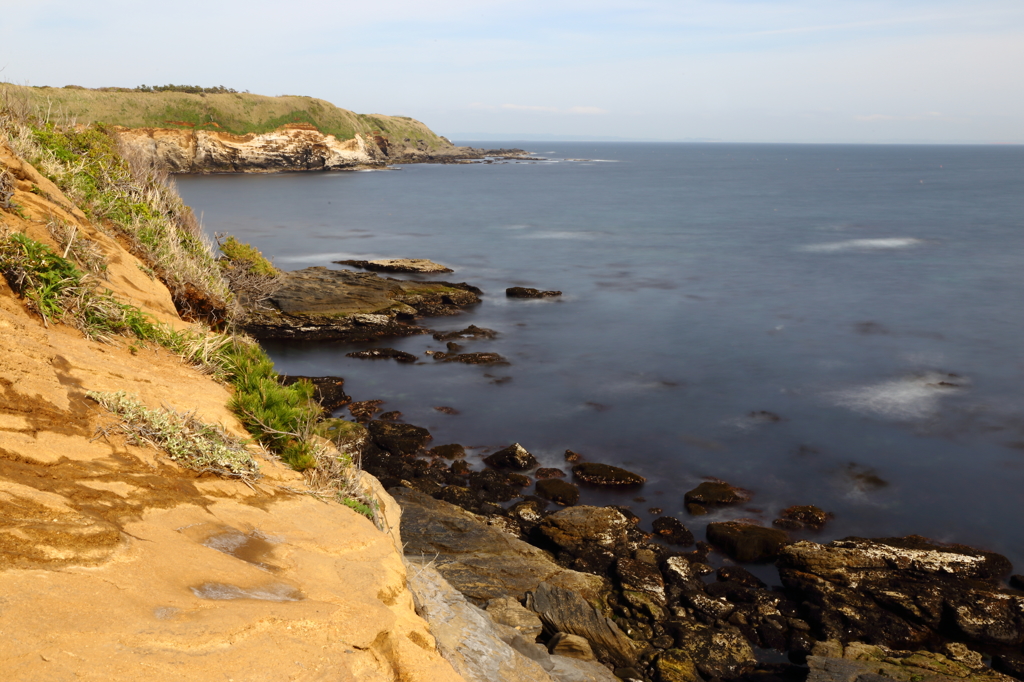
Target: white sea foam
863,245
559,234
908,398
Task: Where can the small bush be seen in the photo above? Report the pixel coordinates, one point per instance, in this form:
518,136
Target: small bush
241,255
188,441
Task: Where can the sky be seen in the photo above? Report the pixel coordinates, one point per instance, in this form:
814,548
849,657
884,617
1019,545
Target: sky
841,71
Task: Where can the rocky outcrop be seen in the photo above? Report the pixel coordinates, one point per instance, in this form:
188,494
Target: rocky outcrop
904,592
418,265
832,662
319,303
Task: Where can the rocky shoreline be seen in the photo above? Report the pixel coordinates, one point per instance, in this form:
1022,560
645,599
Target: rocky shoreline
589,583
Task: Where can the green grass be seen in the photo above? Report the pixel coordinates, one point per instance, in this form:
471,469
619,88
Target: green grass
237,113
241,255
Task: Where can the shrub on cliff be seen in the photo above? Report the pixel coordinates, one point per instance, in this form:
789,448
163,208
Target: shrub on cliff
251,277
123,194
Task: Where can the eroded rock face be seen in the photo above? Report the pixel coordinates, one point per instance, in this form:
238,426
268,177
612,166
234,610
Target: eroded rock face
904,592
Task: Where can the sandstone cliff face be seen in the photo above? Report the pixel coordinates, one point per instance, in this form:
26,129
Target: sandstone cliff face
117,564
291,147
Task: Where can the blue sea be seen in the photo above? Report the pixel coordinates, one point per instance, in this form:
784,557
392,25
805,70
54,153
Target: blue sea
819,324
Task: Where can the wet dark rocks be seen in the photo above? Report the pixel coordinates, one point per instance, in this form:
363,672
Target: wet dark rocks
672,531
906,593
460,496
515,456
363,410
494,486
1010,664
801,517
398,439
718,652
446,410
739,575
392,416
641,577
460,468
606,474
472,358
558,491
382,354
452,347
548,472
448,451
571,456
713,494
1017,582
575,529
654,511
745,541
470,332
418,265
527,292
328,391
518,480
764,416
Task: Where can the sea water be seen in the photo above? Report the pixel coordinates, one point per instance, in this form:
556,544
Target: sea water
819,324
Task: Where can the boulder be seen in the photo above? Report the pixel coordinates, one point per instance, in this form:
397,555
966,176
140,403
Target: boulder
510,612
801,517
573,646
549,472
448,451
363,410
527,292
605,474
515,456
558,491
716,651
904,593
671,530
479,560
858,662
398,439
566,611
746,541
382,354
673,665
571,456
715,493
577,528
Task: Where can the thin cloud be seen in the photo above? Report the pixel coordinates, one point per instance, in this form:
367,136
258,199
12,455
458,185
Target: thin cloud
585,111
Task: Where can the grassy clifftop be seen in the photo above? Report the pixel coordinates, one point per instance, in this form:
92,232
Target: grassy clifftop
237,113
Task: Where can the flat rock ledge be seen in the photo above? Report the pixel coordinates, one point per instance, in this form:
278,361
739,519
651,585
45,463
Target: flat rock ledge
323,304
421,265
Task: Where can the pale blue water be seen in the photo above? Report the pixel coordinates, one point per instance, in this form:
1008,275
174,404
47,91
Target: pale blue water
835,286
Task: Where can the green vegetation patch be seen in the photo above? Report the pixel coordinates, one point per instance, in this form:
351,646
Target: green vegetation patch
241,255
188,441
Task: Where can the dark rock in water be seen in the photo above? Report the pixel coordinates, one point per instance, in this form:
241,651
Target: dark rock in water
605,474
547,472
382,354
446,410
571,456
518,480
328,391
460,468
627,512
526,292
1017,582
740,575
470,332
714,493
421,265
398,439
392,416
906,592
493,486
745,541
717,652
558,491
472,358
460,496
765,416
564,610
800,517
363,410
528,513
672,530
452,347
639,576
515,456
449,451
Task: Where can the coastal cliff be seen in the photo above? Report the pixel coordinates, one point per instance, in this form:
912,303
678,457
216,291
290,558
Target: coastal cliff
117,561
242,132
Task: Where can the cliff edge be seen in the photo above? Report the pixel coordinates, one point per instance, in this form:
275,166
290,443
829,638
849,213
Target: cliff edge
119,563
